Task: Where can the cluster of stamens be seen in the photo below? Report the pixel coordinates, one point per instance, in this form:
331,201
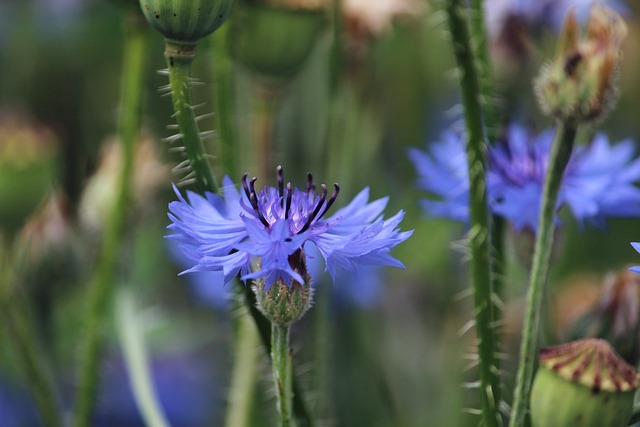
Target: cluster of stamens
320,208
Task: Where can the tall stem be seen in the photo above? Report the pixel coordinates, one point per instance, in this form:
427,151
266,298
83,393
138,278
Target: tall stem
558,160
282,362
179,58
479,233
136,40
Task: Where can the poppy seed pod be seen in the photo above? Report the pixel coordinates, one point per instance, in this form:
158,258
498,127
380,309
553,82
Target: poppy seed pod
186,21
274,41
583,384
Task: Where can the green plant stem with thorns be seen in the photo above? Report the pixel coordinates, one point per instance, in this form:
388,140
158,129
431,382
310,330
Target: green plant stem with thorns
179,59
558,159
480,232
136,41
282,362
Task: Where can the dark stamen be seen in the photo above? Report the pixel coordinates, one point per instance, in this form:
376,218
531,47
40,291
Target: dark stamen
254,203
245,185
281,184
310,186
332,199
289,195
323,197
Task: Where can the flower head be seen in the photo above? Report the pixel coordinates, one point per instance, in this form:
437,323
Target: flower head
636,246
274,225
598,182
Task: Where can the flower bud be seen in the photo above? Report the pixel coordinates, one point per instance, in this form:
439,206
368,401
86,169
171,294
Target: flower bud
186,21
273,40
581,83
615,316
27,169
285,304
583,383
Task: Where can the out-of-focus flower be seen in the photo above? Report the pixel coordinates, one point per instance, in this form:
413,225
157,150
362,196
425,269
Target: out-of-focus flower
444,172
227,233
580,84
614,316
373,17
598,182
27,168
149,174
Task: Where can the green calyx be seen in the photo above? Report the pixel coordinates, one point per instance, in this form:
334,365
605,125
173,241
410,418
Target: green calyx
583,384
274,41
282,304
186,20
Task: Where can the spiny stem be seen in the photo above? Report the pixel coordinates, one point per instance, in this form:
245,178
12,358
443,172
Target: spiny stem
136,41
558,160
479,233
282,362
179,58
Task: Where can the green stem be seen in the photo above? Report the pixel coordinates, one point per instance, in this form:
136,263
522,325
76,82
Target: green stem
483,66
558,160
479,233
179,58
135,355
245,367
265,110
282,362
136,40
224,99
303,417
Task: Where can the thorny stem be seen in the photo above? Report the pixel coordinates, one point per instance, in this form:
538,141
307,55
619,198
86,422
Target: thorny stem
179,58
136,40
479,233
558,160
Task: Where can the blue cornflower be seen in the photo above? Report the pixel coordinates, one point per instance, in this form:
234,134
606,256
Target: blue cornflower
269,230
599,180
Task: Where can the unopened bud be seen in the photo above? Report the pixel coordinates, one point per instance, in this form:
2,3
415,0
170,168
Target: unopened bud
186,21
580,84
583,383
273,40
284,304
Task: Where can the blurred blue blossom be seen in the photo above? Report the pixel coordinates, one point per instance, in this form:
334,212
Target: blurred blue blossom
636,246
535,14
599,181
228,233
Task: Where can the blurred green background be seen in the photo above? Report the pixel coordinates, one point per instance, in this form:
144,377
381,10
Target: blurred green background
348,115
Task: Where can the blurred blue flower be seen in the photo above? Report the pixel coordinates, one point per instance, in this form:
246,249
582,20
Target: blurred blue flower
535,14
227,233
17,408
636,246
443,172
599,180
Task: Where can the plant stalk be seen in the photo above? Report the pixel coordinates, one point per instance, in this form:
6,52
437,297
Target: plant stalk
136,41
558,160
480,230
282,362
